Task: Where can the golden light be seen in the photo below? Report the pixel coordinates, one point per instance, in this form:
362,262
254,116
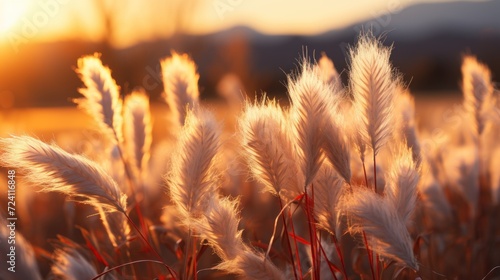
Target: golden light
10,13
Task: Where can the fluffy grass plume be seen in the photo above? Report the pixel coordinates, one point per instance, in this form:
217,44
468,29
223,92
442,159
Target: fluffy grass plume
311,97
69,264
406,127
25,262
58,171
328,72
401,182
180,82
437,209
219,227
192,177
327,190
370,213
101,95
137,129
373,85
478,91
462,170
267,146
335,145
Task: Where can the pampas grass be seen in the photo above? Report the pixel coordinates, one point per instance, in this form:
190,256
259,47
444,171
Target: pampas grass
381,221
267,145
402,181
478,92
193,176
25,264
101,95
299,203
180,82
220,228
335,145
69,264
328,72
137,129
58,171
373,84
311,97
328,190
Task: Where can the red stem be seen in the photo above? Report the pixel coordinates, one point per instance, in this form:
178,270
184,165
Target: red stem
366,177
312,234
370,258
129,263
288,240
296,246
326,258
374,173
150,246
339,252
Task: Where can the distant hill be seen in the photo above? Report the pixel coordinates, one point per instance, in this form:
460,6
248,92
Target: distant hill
429,40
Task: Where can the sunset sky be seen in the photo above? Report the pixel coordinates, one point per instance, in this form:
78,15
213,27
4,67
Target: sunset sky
135,21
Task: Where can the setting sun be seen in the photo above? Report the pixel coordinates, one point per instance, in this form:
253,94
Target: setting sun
10,13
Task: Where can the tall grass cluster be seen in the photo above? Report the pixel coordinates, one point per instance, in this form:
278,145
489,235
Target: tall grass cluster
337,184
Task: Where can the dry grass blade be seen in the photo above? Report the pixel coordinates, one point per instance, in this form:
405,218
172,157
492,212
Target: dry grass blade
268,148
116,225
180,82
101,95
311,98
379,219
58,171
372,83
193,177
137,129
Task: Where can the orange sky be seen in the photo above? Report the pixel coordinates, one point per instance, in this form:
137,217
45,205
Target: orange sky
143,20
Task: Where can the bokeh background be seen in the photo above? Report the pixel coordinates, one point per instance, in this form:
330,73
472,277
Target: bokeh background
256,41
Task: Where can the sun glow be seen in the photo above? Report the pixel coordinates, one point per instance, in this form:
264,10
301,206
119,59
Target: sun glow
10,13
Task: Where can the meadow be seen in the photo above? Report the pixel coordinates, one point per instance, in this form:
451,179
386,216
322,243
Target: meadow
340,181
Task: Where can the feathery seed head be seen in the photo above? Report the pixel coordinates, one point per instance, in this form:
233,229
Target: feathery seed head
58,171
328,188
193,176
373,84
478,91
335,145
379,219
328,72
219,226
311,99
180,82
268,148
402,181
101,95
137,129
70,264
